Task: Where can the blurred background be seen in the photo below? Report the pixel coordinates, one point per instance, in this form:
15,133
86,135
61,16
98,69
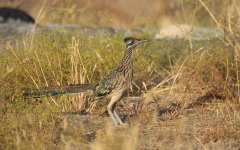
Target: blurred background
126,13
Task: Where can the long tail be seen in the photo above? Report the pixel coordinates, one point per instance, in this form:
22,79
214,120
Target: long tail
56,90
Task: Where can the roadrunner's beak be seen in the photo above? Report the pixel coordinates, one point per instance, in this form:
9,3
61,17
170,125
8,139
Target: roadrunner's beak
140,41
143,41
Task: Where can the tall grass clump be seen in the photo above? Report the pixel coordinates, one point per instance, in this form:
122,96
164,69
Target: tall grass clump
55,58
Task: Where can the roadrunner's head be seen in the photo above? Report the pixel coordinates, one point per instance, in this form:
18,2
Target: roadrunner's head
133,42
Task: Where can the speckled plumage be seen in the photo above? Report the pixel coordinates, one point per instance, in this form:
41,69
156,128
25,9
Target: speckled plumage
119,79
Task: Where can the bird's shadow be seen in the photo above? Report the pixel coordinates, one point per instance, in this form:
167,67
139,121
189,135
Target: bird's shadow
209,97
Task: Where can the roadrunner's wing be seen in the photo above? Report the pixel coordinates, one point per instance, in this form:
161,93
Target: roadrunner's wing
111,82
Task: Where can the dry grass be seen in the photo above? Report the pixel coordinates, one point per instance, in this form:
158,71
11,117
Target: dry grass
186,92
196,100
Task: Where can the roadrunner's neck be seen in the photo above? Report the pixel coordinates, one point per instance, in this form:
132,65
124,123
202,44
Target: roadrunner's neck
127,64
127,60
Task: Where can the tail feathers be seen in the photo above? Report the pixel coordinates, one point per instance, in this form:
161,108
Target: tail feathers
56,90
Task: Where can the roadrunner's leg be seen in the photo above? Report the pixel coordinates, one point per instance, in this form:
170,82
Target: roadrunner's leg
111,109
112,117
119,119
116,115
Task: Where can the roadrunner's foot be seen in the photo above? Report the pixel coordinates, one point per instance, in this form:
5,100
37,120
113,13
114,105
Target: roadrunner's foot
124,125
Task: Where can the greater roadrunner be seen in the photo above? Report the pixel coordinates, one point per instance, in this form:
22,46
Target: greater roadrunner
111,87
118,80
